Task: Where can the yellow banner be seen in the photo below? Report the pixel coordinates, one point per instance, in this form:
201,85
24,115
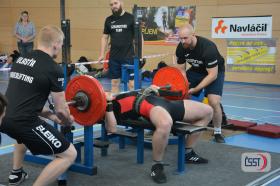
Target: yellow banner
257,55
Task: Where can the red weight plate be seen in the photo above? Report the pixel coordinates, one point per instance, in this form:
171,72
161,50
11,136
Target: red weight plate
91,87
175,77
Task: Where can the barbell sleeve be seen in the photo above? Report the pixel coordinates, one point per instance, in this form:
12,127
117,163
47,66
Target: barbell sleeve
167,87
71,103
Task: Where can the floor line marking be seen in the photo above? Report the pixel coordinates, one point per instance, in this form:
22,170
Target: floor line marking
272,180
250,108
246,96
6,146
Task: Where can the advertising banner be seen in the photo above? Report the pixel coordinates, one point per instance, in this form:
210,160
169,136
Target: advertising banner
251,55
242,27
160,24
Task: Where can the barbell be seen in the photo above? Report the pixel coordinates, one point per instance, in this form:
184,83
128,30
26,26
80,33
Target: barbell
87,99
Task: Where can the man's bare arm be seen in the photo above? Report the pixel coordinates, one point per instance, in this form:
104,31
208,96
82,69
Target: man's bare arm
104,42
49,114
61,108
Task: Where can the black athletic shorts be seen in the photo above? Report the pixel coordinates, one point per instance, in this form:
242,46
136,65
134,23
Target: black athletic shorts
175,108
39,136
216,87
115,68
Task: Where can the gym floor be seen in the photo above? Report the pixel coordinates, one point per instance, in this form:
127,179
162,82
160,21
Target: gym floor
250,102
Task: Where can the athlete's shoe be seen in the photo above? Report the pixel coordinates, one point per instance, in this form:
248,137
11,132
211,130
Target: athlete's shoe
192,157
219,138
157,173
17,177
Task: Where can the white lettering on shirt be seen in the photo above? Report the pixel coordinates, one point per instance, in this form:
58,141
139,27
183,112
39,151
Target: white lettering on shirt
194,62
61,80
22,77
118,26
26,61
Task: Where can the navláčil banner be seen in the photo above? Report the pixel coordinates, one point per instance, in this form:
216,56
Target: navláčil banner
242,27
251,55
160,24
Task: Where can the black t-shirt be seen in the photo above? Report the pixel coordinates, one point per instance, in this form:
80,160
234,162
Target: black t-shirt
31,80
121,31
204,55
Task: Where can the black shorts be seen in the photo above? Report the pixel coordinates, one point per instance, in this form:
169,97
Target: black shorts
39,136
175,108
115,67
216,87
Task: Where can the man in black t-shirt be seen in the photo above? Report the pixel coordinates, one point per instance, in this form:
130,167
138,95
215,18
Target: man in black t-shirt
120,27
206,71
32,78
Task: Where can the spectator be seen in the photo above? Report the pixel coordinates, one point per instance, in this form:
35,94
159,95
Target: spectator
25,33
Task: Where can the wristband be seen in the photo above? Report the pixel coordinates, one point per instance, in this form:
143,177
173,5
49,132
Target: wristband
109,107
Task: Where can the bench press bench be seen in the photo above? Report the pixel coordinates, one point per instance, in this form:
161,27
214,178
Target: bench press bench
181,129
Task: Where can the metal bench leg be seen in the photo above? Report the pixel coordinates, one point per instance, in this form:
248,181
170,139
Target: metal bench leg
140,146
121,142
181,154
104,137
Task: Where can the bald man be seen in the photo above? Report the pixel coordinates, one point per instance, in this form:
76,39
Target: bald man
120,28
206,71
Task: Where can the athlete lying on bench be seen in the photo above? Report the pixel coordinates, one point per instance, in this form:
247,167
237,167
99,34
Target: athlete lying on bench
161,113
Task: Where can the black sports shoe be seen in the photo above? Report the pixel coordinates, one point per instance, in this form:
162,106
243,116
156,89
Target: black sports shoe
192,157
17,177
157,173
219,138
